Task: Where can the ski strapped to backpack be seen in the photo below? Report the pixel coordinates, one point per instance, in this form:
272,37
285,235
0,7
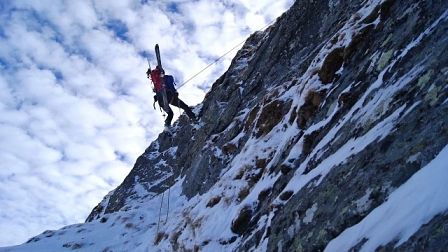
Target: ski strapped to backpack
162,83
166,106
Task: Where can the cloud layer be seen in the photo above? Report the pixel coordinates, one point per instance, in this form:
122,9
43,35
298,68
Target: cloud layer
76,107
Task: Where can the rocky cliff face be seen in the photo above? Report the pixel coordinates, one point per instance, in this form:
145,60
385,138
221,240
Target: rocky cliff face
356,88
321,121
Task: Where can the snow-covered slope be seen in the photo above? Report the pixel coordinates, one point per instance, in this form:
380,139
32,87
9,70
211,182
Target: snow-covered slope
328,132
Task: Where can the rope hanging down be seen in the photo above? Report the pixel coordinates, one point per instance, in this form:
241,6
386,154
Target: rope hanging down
171,183
221,57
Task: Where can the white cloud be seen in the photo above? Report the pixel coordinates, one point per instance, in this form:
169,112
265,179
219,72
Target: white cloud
76,107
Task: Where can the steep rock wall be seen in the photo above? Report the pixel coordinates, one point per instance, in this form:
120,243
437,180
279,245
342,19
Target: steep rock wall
336,105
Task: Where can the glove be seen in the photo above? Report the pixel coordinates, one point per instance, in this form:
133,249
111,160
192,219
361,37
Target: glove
161,75
148,72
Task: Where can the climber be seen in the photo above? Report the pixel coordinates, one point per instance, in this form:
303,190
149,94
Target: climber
158,78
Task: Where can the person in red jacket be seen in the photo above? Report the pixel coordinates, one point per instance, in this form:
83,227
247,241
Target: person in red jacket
159,79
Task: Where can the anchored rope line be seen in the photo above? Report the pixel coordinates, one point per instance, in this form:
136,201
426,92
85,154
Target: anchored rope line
160,212
194,76
171,182
210,64
168,207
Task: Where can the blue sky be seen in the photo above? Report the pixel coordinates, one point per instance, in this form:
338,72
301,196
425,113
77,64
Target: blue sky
75,104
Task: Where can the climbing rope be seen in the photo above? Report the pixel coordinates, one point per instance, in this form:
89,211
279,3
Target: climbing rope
168,203
160,212
210,65
169,191
194,76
